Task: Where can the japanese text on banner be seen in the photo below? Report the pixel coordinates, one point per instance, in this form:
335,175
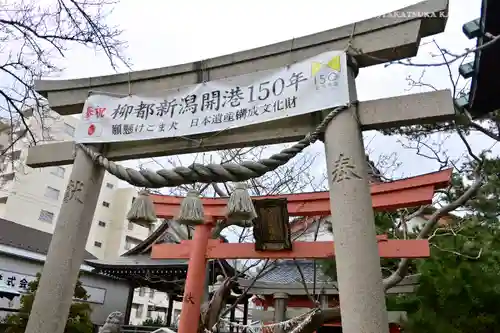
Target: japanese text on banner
316,84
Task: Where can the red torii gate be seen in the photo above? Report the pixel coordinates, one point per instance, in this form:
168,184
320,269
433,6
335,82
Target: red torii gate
403,193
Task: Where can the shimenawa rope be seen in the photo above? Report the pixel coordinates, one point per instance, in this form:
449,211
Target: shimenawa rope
299,321
210,173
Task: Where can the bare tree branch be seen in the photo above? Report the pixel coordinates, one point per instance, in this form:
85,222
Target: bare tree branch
402,269
35,37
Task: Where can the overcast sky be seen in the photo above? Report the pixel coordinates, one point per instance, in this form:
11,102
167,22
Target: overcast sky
164,33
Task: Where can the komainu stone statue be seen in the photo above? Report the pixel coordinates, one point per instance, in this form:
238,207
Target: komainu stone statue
113,323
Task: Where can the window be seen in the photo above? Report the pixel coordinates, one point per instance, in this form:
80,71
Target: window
14,155
7,177
131,242
133,199
58,171
130,226
151,293
105,204
101,224
150,311
109,185
10,156
97,244
46,216
52,193
3,163
161,309
68,129
142,291
138,310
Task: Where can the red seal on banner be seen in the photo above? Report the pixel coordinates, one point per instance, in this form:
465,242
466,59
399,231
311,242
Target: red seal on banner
91,129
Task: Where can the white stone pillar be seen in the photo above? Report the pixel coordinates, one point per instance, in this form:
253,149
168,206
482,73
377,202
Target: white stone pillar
280,300
67,248
362,300
323,301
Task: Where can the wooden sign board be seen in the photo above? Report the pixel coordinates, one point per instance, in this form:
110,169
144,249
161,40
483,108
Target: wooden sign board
271,227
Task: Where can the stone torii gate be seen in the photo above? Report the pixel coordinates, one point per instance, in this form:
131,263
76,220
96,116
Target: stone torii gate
373,41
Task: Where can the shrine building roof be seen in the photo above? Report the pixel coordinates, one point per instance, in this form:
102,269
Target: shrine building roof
167,275
287,280
286,272
139,261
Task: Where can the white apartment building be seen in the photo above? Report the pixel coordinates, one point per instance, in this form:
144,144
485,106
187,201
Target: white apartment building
33,197
149,303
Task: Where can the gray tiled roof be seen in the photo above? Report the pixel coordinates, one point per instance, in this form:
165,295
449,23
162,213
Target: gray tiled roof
286,272
26,238
140,256
137,261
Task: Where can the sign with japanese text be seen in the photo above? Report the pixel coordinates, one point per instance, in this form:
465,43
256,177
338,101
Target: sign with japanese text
20,282
311,85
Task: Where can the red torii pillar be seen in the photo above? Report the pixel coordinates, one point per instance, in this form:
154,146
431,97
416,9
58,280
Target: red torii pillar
408,192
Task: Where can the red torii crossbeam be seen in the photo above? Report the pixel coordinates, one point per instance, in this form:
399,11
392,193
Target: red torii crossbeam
217,249
408,192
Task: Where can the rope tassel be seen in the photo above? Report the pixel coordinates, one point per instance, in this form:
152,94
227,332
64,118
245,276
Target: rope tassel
191,211
240,206
142,210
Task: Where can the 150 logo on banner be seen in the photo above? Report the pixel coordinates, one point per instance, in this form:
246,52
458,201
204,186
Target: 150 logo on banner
326,74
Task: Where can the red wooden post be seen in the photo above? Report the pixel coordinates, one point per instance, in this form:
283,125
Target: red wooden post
195,280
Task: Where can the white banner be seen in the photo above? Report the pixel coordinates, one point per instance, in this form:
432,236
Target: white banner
311,85
20,282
